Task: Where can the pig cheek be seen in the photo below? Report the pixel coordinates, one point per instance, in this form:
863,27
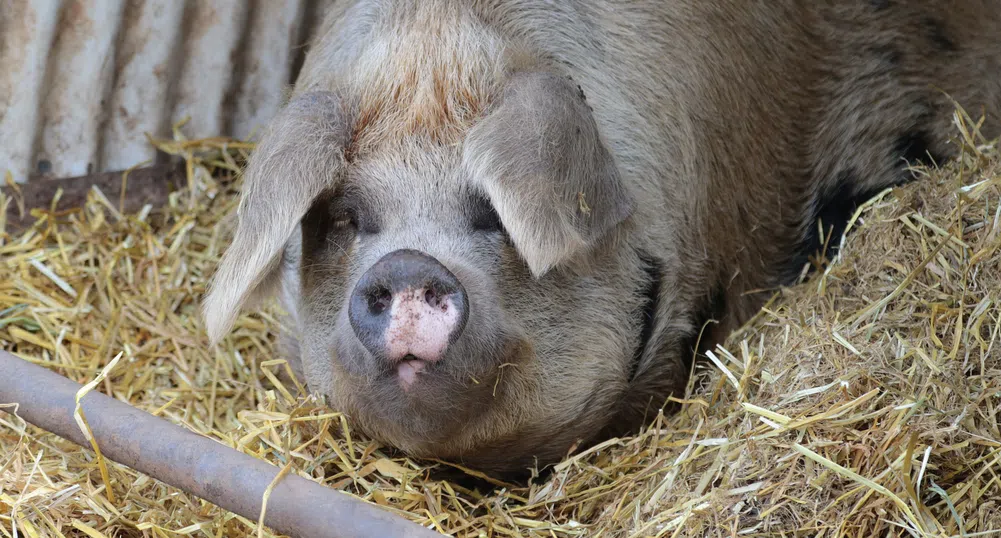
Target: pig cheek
347,352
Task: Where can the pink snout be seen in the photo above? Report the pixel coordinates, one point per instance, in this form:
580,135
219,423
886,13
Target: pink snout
420,324
406,310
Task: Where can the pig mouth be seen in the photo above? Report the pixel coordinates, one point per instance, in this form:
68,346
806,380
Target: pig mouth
411,372
408,369
422,406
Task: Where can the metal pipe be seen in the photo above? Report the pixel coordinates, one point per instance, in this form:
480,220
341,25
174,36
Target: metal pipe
198,465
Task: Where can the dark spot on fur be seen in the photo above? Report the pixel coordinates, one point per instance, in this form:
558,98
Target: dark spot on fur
470,482
938,35
648,311
832,211
879,5
889,55
712,309
913,147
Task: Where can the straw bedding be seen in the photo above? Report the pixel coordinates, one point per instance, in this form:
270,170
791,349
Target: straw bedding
863,402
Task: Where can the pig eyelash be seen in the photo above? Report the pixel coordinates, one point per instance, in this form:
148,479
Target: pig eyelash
344,219
360,223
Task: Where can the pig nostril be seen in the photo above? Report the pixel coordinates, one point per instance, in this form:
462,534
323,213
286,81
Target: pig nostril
435,299
379,300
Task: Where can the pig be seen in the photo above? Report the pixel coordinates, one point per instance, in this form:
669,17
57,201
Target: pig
504,229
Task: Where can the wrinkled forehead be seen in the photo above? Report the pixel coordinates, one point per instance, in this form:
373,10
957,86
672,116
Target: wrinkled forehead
415,187
422,200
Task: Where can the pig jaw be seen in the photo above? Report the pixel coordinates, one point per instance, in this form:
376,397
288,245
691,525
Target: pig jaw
496,424
431,416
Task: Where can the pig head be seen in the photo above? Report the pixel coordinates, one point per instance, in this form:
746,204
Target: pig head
471,301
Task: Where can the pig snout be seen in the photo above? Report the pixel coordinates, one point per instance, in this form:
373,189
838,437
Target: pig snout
407,309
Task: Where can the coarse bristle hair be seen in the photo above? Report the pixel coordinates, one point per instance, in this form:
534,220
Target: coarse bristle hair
412,86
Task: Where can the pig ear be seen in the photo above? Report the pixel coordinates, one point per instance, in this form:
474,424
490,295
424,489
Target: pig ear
301,155
540,159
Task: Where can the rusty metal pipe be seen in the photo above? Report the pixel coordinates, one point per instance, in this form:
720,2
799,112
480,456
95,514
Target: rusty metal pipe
198,465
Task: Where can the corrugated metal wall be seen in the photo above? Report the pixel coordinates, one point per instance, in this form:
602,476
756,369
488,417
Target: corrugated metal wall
81,81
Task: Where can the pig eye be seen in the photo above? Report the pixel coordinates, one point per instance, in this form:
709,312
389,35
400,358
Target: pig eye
485,217
352,216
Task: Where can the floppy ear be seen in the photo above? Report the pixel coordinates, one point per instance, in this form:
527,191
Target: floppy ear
301,155
540,159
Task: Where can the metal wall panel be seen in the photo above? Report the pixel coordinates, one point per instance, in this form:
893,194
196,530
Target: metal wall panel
149,36
211,48
274,26
80,69
83,81
26,31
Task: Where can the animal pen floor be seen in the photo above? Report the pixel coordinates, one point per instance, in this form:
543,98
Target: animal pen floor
864,402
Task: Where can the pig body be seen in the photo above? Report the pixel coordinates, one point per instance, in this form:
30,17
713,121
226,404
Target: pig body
500,226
